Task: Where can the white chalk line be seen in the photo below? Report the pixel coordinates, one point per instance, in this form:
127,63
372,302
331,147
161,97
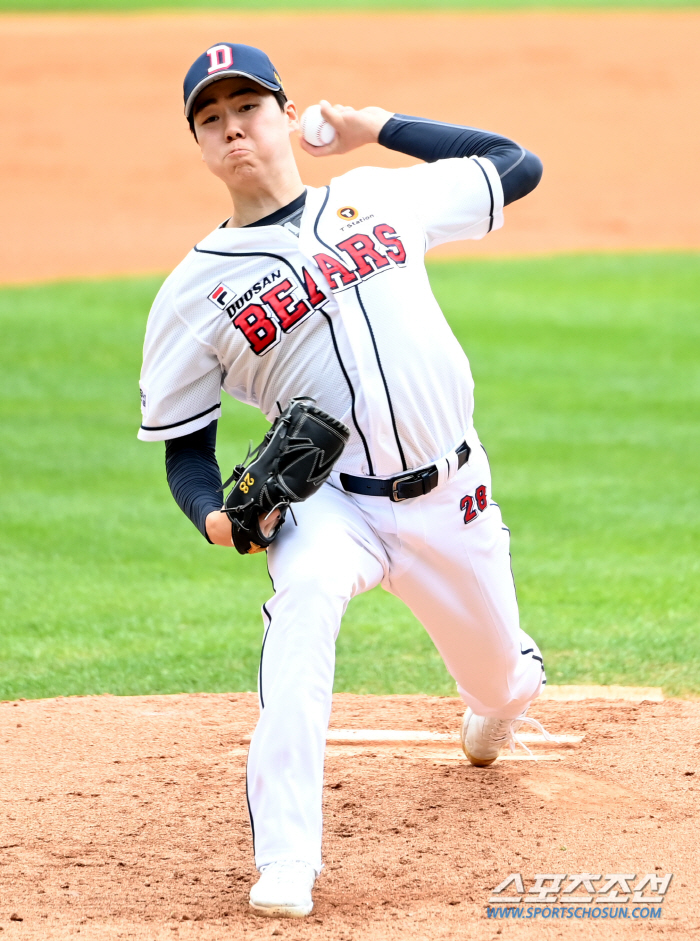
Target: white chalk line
351,736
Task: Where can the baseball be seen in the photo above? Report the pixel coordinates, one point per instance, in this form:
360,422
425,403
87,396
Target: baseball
314,128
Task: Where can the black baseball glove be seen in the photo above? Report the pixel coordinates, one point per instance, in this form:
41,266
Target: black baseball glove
294,459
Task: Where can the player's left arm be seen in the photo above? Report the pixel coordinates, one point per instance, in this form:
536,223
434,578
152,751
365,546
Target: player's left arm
194,478
519,170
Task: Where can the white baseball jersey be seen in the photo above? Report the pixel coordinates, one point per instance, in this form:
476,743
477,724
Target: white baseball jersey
341,311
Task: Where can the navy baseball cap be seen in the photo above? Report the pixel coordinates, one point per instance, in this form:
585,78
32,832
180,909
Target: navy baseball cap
229,60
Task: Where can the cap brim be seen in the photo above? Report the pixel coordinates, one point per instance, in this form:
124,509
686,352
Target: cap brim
224,73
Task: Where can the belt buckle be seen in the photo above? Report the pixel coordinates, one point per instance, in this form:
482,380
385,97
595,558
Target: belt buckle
394,496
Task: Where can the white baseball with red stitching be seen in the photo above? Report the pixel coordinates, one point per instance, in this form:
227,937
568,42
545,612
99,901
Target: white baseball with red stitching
314,128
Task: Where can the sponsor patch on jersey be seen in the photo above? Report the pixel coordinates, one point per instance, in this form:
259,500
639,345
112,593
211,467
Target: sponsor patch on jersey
348,213
222,295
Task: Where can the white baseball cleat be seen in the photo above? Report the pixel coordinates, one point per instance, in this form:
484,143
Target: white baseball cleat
483,737
284,889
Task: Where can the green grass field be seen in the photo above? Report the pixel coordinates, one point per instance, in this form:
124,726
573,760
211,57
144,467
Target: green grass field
347,6
587,399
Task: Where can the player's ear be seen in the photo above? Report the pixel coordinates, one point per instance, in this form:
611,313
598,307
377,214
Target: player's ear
290,109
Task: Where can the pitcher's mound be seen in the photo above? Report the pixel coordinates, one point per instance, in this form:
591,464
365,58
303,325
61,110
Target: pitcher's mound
126,817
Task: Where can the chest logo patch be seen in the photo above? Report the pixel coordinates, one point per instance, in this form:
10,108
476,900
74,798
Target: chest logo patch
348,213
221,296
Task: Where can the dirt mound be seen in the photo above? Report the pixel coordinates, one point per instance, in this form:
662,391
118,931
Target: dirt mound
100,176
126,817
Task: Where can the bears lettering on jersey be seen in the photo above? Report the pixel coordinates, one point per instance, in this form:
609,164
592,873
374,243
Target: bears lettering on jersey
280,309
259,330
364,253
281,300
276,305
369,255
337,275
316,296
387,236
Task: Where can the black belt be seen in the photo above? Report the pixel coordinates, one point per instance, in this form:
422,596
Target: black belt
404,486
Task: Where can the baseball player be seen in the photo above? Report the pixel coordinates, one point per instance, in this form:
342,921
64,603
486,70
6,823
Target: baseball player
322,294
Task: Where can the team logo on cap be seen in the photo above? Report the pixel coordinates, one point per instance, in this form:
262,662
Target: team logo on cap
348,213
220,57
221,295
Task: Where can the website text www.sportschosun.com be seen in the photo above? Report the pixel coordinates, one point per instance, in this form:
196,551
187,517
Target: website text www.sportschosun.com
605,901
565,911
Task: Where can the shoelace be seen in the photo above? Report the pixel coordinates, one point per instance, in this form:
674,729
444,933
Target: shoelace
505,732
513,739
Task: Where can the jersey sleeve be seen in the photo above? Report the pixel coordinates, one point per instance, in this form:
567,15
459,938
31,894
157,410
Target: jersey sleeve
180,378
457,198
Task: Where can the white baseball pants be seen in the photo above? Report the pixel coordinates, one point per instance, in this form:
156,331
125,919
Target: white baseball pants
447,559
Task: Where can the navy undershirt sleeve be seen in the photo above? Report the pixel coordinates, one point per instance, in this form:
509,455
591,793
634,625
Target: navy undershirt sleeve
194,476
520,171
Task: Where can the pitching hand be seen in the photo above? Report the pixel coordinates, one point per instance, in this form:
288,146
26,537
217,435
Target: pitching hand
352,128
219,526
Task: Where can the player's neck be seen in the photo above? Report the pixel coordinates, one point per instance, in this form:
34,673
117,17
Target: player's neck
253,203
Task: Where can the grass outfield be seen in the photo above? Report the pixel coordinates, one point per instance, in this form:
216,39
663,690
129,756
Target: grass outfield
346,6
587,399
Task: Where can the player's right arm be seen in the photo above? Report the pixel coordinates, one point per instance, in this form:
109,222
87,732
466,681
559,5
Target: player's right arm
519,170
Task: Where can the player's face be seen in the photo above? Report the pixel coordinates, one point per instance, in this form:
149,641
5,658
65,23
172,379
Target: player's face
243,134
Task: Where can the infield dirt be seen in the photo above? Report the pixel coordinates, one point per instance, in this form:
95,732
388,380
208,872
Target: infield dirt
126,818
99,174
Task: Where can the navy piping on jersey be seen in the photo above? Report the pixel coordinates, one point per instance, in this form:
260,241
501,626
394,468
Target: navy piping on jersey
352,393
247,800
210,251
175,424
262,651
335,345
512,573
404,466
318,216
488,183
